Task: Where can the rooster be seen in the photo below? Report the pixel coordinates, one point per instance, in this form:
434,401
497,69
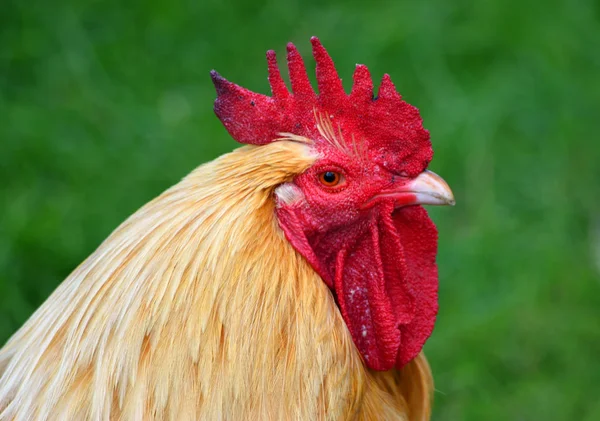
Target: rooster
291,279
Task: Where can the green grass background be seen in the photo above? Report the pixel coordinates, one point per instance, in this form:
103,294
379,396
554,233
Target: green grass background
104,104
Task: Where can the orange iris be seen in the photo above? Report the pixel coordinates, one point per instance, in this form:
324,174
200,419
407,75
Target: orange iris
330,178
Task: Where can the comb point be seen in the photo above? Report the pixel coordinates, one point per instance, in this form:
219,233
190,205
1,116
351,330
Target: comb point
328,80
222,85
278,88
298,78
387,88
362,87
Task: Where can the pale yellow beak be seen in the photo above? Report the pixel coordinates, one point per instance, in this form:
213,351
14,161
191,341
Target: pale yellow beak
427,188
430,189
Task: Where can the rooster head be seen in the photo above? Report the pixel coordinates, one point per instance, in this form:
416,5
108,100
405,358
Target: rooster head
355,215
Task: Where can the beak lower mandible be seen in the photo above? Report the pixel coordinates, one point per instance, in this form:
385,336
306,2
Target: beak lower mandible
429,188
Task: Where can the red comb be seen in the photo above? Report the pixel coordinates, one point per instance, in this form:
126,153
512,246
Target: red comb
391,128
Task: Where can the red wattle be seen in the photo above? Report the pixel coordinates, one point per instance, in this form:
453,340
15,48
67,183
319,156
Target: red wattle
384,276
418,236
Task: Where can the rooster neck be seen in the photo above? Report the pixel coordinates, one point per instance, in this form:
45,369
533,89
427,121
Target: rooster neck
196,307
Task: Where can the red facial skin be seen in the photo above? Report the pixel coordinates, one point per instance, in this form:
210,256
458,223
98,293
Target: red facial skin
378,260
377,256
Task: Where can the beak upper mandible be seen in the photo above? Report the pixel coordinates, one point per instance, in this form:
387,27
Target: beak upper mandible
430,189
427,188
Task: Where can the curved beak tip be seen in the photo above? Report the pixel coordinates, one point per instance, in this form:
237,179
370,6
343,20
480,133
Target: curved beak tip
431,189
427,188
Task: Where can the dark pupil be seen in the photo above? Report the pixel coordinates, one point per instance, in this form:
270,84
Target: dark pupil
329,177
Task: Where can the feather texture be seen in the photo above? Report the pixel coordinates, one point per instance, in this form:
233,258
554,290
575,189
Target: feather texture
197,307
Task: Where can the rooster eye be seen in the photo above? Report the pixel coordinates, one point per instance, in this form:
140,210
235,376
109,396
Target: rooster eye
330,178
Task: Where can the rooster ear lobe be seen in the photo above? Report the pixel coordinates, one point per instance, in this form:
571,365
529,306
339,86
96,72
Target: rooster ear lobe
249,117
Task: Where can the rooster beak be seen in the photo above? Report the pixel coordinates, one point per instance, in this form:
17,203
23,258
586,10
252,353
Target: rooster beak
427,188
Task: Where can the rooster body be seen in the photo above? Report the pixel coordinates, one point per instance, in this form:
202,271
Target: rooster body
211,329
225,298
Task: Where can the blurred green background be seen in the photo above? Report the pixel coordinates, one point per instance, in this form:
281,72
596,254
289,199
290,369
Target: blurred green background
104,104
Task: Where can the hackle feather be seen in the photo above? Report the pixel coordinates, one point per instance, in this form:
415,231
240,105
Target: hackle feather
197,307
